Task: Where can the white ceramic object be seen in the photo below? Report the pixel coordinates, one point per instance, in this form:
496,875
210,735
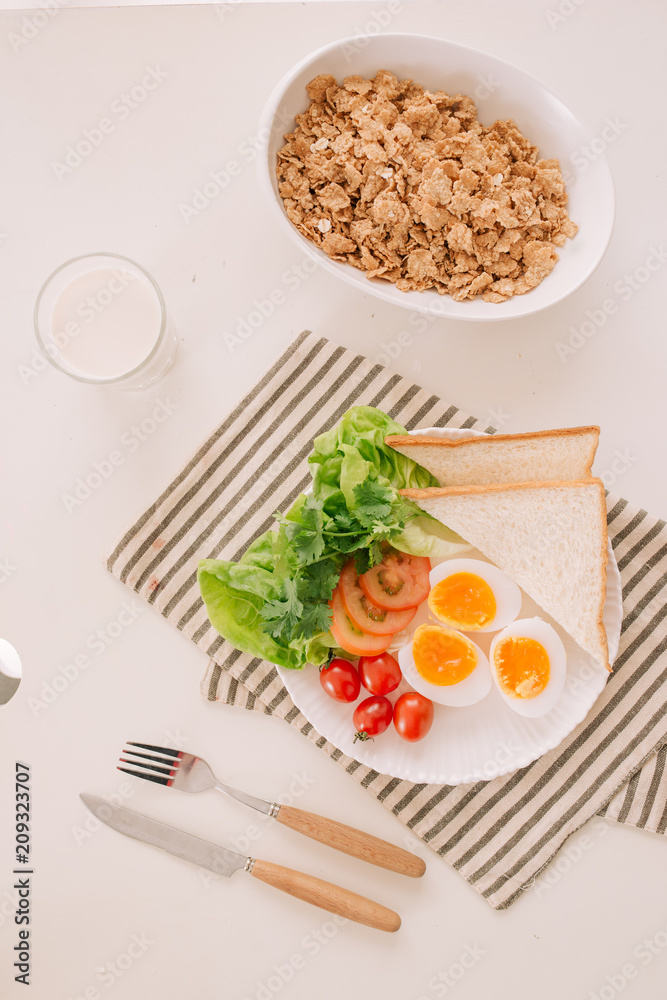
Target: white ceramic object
442,65
481,741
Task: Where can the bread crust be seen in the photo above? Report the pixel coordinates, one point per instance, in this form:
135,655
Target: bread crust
408,440
445,491
440,491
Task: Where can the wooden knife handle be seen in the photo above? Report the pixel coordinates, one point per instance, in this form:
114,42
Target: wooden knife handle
351,841
327,896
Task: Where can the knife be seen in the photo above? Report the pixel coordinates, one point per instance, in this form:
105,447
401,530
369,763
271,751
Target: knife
225,862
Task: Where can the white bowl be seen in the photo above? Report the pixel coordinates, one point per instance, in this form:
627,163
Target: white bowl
499,90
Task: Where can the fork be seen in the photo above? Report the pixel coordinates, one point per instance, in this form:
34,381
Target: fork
184,771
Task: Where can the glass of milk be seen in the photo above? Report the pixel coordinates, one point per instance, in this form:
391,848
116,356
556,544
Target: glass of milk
101,318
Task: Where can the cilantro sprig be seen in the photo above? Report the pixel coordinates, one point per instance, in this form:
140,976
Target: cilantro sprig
316,542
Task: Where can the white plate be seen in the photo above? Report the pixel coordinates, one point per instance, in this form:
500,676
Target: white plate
509,92
484,740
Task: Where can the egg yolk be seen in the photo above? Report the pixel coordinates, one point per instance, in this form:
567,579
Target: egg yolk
464,600
522,666
441,656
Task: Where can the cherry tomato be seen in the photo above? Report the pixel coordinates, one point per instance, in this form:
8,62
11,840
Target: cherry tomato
413,716
380,674
365,614
340,680
371,717
400,581
351,638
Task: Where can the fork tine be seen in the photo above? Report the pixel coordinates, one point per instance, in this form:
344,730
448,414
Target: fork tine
148,777
162,770
150,768
148,746
158,760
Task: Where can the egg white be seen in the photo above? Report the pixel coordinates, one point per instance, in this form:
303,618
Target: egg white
469,691
505,591
542,632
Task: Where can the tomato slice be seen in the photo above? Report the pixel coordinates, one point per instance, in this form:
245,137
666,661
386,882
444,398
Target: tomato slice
351,638
400,581
366,615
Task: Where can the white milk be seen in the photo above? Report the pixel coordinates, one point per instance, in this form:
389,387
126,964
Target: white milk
105,323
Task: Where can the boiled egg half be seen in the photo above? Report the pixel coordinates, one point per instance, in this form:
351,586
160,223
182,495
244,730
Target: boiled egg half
528,666
445,666
473,596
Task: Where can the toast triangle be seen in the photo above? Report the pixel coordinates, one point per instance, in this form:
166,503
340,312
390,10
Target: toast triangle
537,456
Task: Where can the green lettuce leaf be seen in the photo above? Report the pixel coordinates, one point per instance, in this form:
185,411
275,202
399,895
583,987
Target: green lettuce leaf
273,602
354,451
236,594
426,536
318,649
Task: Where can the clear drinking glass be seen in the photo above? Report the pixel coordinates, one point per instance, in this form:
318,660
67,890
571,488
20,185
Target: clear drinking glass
101,318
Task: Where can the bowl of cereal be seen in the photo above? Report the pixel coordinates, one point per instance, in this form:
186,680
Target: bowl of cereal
435,177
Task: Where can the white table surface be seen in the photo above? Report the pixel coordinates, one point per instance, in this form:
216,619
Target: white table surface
93,893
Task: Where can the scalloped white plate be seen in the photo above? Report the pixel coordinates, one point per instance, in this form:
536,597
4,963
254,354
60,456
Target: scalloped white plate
485,740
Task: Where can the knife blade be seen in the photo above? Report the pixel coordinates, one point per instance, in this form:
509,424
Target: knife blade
222,861
167,838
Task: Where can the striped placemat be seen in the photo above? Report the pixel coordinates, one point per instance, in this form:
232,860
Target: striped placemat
499,834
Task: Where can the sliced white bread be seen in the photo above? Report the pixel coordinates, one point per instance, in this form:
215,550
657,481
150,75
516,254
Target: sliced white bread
549,537
539,456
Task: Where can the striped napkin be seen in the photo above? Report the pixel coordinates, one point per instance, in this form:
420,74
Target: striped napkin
498,834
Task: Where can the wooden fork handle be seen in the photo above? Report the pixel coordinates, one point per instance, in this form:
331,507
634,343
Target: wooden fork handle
350,841
327,896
